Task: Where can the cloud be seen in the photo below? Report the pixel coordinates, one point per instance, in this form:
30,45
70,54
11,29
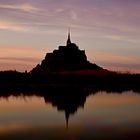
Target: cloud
114,37
19,58
116,61
113,57
20,52
24,7
122,38
13,26
59,10
73,15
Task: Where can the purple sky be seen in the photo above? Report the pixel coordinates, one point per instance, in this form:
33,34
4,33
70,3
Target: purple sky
109,31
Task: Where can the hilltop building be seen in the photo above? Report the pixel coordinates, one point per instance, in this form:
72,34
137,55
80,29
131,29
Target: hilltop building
66,58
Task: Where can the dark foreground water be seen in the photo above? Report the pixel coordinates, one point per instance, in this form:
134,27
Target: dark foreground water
100,116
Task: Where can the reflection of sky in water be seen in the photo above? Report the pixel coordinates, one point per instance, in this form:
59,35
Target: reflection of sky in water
104,115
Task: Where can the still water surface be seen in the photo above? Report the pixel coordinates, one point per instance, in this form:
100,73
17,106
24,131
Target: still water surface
102,116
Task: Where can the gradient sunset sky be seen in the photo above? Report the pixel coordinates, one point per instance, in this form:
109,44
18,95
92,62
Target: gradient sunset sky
109,31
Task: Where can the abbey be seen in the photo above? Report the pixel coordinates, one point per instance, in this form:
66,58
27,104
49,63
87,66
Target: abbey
68,57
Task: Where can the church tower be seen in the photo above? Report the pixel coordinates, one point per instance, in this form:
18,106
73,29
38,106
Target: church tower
68,40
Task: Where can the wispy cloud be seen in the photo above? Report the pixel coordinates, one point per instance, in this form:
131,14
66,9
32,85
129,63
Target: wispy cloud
122,38
24,7
20,52
116,61
20,58
73,15
114,57
13,26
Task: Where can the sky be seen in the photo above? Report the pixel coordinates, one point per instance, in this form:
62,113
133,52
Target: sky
108,30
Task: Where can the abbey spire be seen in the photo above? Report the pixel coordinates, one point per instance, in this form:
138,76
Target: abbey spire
68,40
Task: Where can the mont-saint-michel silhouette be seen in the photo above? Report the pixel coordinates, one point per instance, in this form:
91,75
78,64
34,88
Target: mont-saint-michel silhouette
66,58
68,65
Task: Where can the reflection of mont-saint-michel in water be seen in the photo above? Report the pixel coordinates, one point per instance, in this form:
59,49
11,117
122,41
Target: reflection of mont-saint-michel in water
67,99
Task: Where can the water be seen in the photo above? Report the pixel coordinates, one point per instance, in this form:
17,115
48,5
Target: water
98,116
